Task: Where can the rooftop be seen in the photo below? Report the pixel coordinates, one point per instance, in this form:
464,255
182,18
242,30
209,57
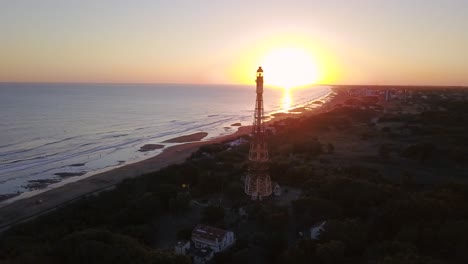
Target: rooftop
209,232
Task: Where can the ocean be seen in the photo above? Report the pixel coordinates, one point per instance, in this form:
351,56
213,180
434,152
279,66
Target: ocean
51,132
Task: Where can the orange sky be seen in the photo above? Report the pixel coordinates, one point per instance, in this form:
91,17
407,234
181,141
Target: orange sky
352,42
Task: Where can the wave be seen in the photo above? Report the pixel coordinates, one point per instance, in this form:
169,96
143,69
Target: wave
64,156
101,142
19,151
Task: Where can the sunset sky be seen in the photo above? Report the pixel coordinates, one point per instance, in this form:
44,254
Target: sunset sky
207,41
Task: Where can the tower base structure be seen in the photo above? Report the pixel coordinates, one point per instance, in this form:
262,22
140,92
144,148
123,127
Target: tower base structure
258,187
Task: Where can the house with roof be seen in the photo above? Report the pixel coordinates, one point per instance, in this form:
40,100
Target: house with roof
217,239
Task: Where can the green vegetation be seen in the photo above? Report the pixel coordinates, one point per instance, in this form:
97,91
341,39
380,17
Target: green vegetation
399,198
124,219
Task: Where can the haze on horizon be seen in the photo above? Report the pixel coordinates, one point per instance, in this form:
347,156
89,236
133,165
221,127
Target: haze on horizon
354,42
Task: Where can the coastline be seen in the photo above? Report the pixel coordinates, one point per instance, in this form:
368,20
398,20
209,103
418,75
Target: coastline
29,207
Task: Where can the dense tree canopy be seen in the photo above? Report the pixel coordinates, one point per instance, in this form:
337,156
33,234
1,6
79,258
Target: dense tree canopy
370,217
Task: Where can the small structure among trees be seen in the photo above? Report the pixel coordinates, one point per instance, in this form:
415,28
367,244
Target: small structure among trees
316,230
212,237
276,189
182,247
206,241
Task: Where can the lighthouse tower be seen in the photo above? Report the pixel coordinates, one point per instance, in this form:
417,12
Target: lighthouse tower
258,182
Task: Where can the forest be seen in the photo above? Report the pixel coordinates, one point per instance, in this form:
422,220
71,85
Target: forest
402,200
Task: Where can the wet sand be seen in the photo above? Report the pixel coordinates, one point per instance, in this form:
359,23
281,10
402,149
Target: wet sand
150,147
27,207
188,138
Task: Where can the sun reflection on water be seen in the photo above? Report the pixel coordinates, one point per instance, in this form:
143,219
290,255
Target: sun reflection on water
286,100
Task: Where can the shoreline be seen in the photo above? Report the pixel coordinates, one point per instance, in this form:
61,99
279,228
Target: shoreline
28,207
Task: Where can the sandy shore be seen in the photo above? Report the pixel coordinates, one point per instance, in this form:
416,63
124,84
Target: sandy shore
29,207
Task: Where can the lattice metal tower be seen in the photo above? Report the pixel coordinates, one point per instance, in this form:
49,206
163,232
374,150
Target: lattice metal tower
258,182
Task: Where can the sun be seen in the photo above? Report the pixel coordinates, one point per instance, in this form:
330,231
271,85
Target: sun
290,67
289,60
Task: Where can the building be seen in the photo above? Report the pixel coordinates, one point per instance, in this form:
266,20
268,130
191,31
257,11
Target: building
211,237
316,230
276,189
182,247
237,142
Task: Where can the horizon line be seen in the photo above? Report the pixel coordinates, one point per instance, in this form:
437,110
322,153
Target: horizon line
231,84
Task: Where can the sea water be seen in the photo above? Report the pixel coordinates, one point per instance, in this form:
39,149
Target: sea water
47,130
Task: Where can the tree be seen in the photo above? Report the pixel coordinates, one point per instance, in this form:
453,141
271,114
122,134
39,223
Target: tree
180,203
185,234
99,246
159,257
310,210
330,148
240,257
331,252
352,232
274,244
234,191
213,215
421,151
301,253
384,151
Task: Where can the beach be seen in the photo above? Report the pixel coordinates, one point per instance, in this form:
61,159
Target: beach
96,128
27,208
49,200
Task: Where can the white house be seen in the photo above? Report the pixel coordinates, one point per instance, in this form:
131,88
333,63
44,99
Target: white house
237,142
217,239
